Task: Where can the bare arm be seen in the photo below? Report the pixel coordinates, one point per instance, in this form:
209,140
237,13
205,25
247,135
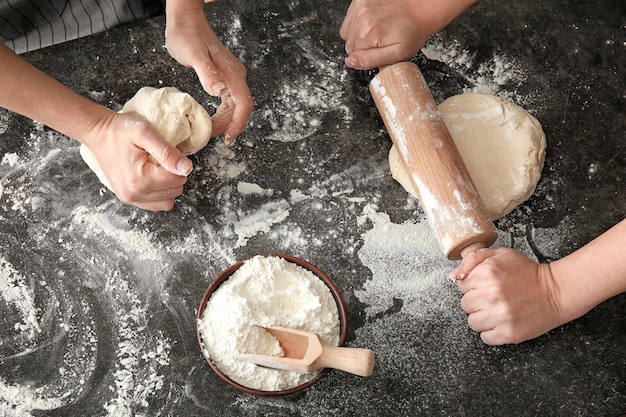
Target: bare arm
510,298
121,143
386,32
31,93
592,274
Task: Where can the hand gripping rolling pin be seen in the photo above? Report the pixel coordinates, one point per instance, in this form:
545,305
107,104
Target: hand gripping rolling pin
439,176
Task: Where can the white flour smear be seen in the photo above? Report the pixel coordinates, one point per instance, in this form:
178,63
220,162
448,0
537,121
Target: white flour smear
408,293
222,161
500,76
19,306
140,353
299,106
52,320
17,294
406,260
261,220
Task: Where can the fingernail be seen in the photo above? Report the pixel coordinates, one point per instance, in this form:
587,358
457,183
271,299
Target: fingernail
452,275
351,62
184,166
219,88
455,276
228,140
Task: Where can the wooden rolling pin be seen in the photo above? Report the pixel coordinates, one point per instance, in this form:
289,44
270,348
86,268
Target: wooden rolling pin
444,187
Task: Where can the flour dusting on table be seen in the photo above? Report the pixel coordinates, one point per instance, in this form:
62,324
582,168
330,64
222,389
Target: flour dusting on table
500,76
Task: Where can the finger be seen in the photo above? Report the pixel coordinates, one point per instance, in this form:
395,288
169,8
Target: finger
156,200
506,334
466,284
222,117
480,321
470,303
346,25
163,205
165,154
364,59
159,183
346,33
493,337
241,113
471,261
232,116
210,77
153,183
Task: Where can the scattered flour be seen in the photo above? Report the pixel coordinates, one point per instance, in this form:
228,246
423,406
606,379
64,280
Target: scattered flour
140,353
500,76
406,261
298,108
222,161
247,188
10,159
260,220
265,291
301,104
16,292
21,400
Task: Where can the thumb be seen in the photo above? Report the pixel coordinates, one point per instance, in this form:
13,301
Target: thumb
471,261
167,155
364,59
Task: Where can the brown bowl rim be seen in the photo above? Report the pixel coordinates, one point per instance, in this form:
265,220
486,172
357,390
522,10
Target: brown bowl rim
224,275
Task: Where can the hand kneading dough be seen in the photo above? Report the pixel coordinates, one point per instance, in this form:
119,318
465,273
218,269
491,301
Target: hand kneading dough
175,115
502,146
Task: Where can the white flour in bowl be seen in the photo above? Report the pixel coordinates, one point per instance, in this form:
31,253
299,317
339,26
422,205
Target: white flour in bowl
265,291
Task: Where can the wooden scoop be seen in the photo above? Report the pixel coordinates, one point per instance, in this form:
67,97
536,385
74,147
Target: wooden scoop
306,352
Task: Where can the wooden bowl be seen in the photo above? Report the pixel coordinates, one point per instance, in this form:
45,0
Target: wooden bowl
222,277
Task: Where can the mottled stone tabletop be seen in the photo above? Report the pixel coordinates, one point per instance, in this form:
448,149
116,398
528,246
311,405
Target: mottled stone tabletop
100,299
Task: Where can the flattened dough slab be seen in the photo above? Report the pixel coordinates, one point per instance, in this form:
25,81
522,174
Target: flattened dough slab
502,145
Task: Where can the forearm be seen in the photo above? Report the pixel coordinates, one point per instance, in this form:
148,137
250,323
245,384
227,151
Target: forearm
593,273
26,90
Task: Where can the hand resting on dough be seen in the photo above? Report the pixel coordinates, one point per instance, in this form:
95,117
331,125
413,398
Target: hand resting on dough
124,143
125,147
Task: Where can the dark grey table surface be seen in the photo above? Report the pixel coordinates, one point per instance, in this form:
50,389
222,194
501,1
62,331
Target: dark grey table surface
99,298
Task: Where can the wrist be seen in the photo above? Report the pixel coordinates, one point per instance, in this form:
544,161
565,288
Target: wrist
576,296
177,11
97,118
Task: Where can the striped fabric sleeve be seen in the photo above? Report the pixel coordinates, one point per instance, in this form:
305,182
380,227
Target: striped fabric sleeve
26,25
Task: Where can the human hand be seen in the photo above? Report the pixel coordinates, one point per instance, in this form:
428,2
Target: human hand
190,40
380,33
125,147
508,297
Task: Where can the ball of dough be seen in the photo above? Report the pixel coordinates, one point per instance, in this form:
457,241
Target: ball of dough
502,146
175,115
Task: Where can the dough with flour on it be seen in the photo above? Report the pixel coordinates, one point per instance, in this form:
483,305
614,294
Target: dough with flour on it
175,115
502,146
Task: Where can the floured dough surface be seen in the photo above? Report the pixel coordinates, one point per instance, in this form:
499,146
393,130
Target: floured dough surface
502,145
175,115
